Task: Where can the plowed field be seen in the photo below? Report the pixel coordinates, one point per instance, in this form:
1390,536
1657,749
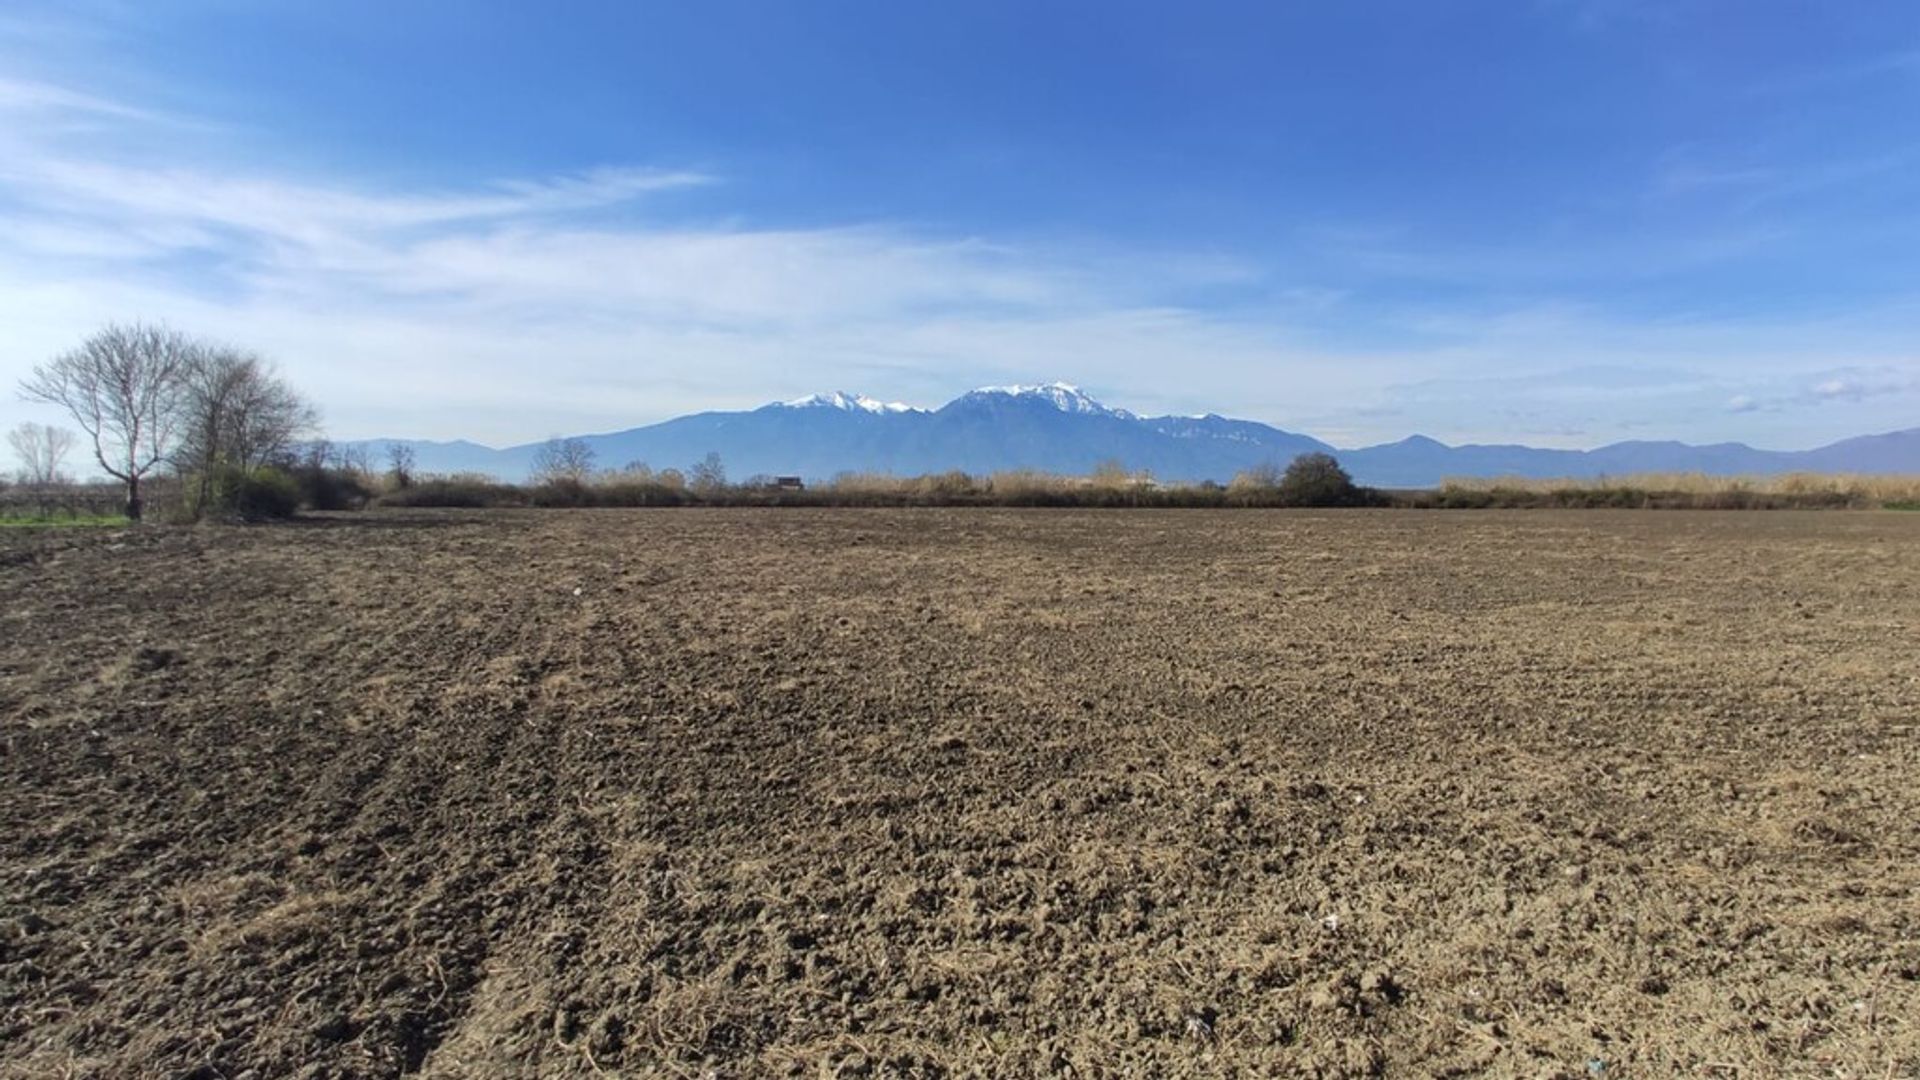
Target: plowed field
968,793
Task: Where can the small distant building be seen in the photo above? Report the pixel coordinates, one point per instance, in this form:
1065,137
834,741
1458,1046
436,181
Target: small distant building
789,483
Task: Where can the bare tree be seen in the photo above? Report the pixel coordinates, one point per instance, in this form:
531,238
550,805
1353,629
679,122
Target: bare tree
356,460
315,454
1262,477
123,386
400,465
563,460
708,474
238,414
41,449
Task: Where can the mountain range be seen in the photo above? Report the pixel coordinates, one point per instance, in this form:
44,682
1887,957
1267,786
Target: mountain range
1058,428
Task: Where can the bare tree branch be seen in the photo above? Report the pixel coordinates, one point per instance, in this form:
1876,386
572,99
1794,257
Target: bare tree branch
123,386
41,449
560,459
400,464
236,414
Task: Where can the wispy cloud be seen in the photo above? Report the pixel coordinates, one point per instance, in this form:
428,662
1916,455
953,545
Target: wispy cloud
567,291
1592,16
43,99
296,211
1745,187
1693,170
32,108
1898,63
1801,391
510,308
1858,385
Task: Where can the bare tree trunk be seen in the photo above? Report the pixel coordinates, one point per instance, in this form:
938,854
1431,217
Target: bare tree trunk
133,498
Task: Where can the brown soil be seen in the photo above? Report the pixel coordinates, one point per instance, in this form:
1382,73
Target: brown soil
897,793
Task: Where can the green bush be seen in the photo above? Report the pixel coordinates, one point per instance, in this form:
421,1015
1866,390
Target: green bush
1317,480
261,494
323,488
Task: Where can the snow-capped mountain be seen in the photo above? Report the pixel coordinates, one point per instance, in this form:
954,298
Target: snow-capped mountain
1057,427
1063,396
840,399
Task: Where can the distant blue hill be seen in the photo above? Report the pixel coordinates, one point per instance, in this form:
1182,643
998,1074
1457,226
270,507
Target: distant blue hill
1057,428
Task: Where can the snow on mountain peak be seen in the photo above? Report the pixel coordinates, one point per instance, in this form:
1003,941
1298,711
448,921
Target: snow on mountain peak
1064,396
846,402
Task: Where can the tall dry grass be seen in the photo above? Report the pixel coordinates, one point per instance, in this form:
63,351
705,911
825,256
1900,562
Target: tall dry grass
1113,486
1856,486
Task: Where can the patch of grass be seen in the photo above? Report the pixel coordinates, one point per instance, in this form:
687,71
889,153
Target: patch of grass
1901,504
61,521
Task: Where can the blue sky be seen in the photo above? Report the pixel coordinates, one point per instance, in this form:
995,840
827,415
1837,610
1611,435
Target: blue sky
1564,222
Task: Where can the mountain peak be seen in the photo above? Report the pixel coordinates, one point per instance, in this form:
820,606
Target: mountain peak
845,402
1064,396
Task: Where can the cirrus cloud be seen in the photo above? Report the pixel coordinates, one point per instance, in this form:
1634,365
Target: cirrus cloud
508,309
